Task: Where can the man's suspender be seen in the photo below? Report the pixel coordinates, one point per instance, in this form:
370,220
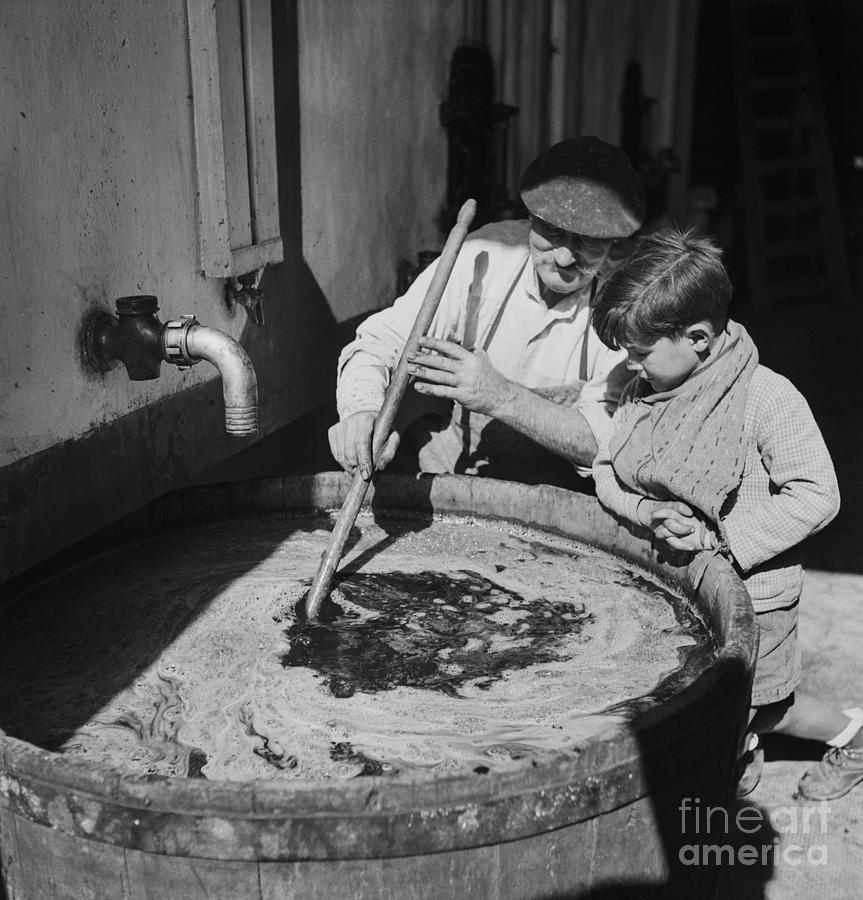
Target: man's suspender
582,365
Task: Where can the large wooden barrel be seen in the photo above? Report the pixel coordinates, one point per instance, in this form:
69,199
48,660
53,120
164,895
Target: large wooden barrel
604,820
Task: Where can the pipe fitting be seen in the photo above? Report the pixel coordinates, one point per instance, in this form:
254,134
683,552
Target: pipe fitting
175,344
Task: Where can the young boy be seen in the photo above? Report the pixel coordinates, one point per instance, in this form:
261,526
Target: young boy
718,454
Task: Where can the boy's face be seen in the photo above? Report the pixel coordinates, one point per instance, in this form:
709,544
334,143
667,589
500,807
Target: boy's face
667,362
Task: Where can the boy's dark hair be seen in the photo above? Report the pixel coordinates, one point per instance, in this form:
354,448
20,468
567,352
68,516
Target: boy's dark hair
673,279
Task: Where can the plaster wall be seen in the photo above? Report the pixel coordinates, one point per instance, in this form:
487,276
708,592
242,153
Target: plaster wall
372,76
97,200
643,31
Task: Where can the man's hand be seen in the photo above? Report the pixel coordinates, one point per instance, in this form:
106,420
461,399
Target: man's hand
466,376
351,444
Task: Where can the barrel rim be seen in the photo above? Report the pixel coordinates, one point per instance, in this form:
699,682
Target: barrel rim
530,799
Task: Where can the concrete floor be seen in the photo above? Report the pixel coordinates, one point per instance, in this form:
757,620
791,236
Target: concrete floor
817,849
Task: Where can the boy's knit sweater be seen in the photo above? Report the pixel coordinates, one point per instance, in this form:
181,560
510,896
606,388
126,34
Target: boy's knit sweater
788,489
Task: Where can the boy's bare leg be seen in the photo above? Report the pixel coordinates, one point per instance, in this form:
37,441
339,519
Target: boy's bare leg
802,716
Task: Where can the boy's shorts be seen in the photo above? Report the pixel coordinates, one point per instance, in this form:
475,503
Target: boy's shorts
777,670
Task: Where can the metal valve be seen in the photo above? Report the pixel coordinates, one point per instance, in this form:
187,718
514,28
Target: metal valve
245,290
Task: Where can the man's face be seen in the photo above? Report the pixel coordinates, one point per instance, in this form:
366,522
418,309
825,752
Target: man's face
565,262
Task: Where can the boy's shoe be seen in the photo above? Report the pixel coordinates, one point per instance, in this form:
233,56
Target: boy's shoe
752,764
840,771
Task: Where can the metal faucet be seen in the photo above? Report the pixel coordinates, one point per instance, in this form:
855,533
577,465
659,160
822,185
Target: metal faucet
137,338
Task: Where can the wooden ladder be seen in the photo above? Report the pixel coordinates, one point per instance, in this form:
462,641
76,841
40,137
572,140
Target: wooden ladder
794,235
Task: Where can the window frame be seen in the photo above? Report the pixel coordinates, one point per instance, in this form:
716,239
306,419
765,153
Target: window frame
233,100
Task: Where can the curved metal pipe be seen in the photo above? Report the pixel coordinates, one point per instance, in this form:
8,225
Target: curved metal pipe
239,382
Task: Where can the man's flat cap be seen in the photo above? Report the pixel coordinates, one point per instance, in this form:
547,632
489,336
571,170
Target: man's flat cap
585,186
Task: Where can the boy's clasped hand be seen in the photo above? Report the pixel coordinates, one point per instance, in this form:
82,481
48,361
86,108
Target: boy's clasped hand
676,523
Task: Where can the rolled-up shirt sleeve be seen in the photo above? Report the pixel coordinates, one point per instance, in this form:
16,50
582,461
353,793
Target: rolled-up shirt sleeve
366,364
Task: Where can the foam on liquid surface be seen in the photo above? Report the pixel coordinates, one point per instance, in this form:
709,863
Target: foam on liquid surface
464,645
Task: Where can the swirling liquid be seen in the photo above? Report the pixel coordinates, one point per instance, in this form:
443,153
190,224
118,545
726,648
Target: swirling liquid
457,645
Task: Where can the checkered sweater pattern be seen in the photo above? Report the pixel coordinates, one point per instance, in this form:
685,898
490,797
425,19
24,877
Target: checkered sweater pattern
788,490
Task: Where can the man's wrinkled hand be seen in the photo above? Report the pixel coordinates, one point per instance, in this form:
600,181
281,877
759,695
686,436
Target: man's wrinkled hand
446,369
351,444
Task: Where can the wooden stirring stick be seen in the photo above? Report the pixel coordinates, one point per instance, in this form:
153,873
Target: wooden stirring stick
384,422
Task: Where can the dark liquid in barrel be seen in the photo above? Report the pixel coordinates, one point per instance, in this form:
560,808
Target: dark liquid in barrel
456,645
